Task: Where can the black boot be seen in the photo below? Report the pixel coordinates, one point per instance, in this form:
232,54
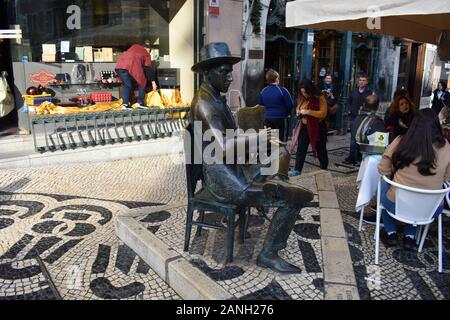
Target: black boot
273,261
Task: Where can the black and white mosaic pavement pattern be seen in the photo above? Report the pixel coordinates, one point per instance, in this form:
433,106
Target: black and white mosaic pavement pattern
73,234
24,280
338,148
400,274
242,278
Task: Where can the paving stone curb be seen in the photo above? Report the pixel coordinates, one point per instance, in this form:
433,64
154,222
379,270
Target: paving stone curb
339,276
170,145
189,282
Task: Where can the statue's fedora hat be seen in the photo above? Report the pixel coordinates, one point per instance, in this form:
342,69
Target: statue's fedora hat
214,53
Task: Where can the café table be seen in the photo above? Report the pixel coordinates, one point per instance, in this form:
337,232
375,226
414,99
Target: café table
367,182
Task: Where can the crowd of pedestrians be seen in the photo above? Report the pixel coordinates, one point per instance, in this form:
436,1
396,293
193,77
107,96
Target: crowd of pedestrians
417,155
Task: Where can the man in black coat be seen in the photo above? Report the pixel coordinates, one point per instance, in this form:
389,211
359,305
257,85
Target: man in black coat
441,97
355,101
363,128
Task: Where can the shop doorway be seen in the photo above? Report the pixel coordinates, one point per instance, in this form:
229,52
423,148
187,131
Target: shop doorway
9,123
280,56
364,56
410,74
283,48
326,55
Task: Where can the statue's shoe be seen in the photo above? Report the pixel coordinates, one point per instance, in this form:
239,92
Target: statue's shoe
276,264
287,191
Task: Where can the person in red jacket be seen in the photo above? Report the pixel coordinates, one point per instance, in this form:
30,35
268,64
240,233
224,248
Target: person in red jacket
130,68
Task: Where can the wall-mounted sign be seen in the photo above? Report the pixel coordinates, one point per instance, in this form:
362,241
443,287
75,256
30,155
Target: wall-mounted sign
323,72
214,7
42,77
255,54
310,37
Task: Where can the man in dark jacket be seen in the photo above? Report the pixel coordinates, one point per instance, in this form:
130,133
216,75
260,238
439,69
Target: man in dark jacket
441,97
355,101
372,124
330,93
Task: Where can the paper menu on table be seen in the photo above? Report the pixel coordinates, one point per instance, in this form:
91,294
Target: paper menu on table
381,139
80,53
65,46
49,48
107,54
88,54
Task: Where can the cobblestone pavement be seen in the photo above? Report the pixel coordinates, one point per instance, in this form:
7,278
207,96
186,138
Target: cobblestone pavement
58,239
400,274
242,278
64,216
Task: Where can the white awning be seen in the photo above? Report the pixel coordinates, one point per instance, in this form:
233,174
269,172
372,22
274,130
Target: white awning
419,20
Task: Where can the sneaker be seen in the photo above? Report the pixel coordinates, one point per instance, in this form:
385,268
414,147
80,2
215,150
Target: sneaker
141,106
409,243
293,173
125,107
390,240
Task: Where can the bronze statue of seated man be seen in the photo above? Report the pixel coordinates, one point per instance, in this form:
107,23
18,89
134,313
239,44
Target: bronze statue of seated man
234,182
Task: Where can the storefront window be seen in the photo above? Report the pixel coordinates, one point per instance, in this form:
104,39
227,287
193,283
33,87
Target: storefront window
90,31
98,23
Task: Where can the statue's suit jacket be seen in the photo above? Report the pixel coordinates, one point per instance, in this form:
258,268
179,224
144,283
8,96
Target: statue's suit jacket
226,182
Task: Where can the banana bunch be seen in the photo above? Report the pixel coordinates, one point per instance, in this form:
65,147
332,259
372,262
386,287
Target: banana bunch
47,107
104,106
153,100
165,99
177,100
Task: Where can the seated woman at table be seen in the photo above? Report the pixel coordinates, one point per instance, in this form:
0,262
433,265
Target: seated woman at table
401,114
418,159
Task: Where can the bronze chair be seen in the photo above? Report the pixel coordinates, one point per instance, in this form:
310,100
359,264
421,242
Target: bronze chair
203,202
251,117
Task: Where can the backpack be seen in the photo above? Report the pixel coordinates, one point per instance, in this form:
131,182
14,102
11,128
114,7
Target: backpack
365,128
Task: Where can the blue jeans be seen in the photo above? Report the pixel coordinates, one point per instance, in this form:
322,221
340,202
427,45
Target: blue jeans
388,221
128,80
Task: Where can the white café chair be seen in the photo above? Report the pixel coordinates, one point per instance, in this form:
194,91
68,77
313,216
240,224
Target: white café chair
413,206
447,199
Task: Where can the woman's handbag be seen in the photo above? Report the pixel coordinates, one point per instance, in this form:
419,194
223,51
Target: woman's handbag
6,98
292,147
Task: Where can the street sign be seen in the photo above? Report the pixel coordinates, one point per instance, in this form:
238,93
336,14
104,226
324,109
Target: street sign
214,7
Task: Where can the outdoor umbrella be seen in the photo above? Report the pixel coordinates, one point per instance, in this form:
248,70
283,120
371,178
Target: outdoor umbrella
420,20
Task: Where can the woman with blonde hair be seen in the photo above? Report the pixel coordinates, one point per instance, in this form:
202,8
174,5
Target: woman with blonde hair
277,102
